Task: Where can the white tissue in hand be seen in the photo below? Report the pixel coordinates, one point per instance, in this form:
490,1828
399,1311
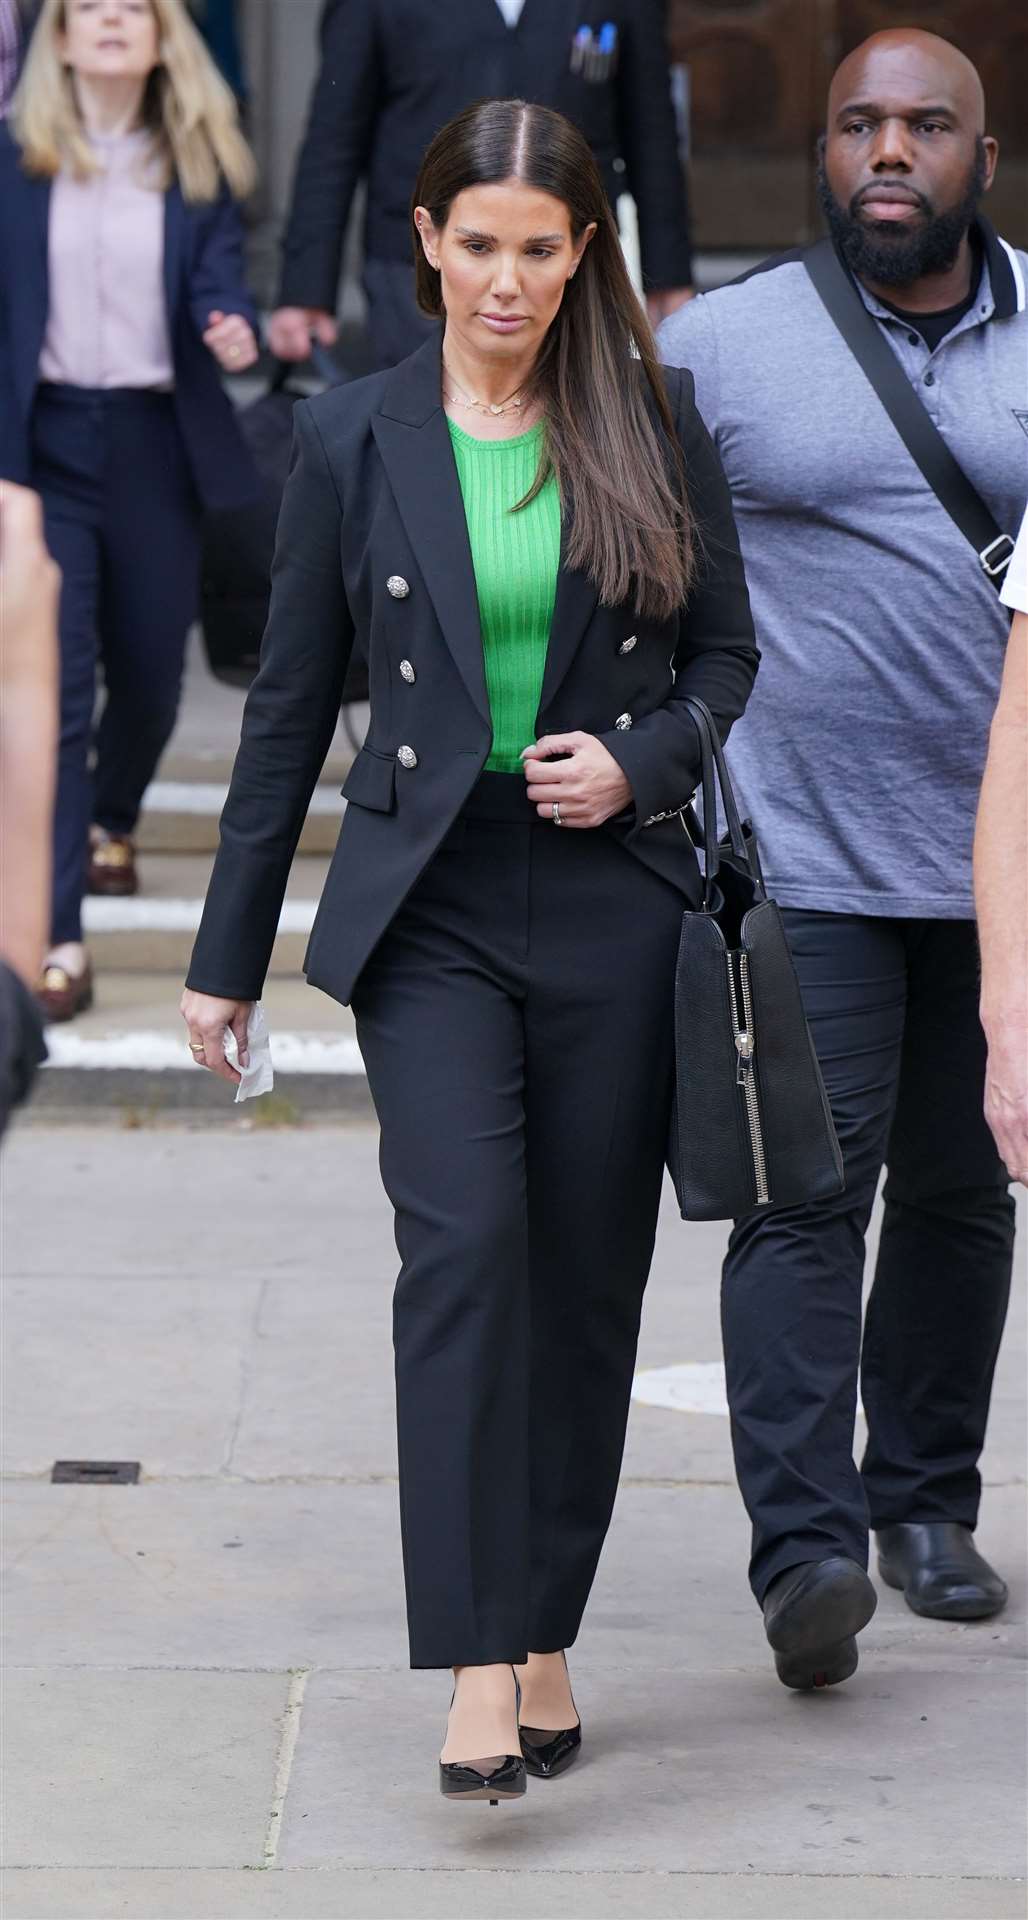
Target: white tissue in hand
259,1076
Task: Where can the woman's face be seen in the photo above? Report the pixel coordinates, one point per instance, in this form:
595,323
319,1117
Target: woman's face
504,257
110,39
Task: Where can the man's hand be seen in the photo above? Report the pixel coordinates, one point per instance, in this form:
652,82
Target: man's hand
1006,1094
231,340
588,786
667,300
290,330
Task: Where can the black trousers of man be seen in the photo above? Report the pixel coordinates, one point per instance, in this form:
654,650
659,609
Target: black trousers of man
516,1025
893,1008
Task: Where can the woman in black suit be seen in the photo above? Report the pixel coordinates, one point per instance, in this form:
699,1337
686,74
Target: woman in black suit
531,533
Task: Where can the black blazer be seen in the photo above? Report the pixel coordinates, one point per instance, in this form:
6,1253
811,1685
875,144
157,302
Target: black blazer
374,497
392,75
203,269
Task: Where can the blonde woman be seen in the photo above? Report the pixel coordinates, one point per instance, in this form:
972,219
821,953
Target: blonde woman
121,297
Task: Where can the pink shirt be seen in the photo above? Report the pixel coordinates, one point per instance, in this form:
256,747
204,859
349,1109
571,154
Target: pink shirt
107,324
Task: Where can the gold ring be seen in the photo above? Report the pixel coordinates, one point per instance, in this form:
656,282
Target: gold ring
197,1046
233,353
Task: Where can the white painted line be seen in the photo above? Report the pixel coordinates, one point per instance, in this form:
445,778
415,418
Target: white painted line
156,1052
287,1748
696,1386
144,914
207,796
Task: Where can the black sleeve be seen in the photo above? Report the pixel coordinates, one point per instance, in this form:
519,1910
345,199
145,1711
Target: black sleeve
288,723
649,145
717,656
334,154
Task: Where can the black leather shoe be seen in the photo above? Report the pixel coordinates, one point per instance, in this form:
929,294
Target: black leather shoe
812,1615
494,1780
546,1753
939,1571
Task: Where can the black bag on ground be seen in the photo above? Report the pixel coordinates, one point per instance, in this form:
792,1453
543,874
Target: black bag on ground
239,544
750,1125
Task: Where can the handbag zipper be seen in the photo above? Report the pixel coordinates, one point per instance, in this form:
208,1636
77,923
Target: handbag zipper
745,1047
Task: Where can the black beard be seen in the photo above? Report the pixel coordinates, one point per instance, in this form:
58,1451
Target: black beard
875,251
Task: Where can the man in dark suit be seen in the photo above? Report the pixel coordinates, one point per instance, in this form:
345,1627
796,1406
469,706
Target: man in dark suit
391,76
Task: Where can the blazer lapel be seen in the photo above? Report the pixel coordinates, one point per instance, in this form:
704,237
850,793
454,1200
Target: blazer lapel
414,441
573,608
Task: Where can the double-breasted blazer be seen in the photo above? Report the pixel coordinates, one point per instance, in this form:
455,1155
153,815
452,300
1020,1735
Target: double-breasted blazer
203,270
373,540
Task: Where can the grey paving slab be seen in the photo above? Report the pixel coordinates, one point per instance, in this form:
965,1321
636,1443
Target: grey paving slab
207,1576
692,1772
288,1576
334,1894
145,1368
131,1769
211,1203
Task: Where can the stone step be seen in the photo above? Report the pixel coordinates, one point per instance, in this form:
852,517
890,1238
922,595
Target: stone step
181,816
129,1053
154,930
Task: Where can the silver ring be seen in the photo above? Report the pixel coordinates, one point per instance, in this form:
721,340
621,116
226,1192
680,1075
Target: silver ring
555,814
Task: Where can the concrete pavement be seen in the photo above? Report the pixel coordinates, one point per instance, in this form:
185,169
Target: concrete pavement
208,1707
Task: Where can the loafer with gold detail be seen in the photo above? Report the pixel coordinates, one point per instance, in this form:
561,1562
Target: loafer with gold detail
112,864
60,995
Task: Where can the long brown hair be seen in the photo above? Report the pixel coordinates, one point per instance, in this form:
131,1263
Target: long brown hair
618,467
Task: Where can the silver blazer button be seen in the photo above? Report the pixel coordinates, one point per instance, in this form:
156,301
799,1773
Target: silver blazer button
623,722
407,672
407,757
397,586
627,645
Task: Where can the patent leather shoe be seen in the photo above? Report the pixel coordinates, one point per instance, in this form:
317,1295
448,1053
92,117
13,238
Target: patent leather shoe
502,1778
547,1754
939,1571
547,1751
812,1615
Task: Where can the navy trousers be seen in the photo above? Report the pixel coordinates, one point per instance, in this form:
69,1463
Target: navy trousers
893,1007
516,1025
123,523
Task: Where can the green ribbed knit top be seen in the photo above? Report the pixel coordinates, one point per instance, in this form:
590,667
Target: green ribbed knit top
516,557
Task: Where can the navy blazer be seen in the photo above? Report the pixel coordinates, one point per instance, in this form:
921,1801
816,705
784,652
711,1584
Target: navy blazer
373,542
203,270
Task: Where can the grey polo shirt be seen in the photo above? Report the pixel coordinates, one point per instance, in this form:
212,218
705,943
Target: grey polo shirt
861,752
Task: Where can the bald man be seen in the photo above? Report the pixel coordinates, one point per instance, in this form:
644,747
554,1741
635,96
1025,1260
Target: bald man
860,758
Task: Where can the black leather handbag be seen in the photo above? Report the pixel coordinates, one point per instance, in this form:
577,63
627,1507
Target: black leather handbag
750,1125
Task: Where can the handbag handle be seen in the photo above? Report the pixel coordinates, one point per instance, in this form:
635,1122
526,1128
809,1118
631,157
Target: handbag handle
715,777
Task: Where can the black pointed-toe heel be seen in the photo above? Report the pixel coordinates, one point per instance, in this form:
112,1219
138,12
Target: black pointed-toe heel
502,1777
548,1753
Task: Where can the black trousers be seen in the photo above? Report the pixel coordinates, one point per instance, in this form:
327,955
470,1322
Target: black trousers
516,1025
123,524
893,1006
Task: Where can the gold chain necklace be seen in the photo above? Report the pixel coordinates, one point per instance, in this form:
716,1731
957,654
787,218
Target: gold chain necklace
512,404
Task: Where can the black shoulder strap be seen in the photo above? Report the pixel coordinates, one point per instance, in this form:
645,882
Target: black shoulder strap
912,422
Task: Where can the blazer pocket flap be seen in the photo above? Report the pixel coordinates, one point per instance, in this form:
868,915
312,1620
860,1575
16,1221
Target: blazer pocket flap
371,781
